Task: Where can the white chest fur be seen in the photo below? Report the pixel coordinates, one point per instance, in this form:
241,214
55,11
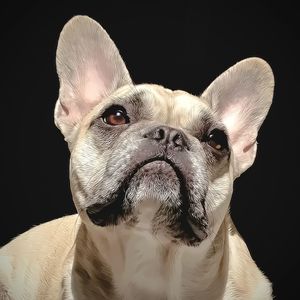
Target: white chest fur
151,271
145,267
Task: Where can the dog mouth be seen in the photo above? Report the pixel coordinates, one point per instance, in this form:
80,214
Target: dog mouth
109,213
180,221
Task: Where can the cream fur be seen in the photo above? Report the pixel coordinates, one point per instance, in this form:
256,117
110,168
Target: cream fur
36,265
71,258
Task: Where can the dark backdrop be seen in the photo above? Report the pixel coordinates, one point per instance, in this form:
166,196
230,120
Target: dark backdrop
182,47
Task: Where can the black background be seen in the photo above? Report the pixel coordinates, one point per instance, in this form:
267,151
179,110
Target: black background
181,46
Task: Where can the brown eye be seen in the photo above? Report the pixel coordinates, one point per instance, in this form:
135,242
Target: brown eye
217,139
115,115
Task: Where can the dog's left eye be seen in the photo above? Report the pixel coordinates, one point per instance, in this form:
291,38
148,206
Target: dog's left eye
115,115
217,139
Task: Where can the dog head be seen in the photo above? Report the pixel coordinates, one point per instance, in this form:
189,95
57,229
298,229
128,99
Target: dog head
148,157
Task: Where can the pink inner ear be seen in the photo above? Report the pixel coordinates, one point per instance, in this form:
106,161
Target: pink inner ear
92,88
232,117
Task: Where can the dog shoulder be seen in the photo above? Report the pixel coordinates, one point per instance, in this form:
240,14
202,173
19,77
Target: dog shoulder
36,259
246,280
3,284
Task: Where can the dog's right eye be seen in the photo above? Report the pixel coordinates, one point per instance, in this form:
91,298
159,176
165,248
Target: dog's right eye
115,115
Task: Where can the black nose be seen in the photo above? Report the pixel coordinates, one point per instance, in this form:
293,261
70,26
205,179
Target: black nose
169,137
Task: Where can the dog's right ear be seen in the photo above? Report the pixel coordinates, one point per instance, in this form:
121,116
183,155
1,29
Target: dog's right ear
89,67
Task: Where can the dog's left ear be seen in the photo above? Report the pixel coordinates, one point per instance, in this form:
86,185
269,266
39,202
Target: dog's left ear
241,97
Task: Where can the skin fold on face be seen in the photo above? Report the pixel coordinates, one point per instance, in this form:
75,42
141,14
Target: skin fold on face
156,167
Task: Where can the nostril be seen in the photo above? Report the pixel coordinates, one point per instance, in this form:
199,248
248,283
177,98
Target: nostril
159,134
177,139
167,136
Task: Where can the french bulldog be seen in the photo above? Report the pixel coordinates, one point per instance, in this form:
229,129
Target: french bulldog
151,175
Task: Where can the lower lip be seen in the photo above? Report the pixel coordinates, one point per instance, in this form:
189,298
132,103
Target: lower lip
157,165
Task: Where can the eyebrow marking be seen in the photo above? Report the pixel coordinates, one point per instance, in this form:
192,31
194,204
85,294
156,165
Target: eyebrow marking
202,123
134,97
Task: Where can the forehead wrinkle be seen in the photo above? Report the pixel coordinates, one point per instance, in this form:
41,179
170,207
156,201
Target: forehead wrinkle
158,101
133,97
189,110
176,108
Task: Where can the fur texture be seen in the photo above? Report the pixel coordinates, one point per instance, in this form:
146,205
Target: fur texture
151,173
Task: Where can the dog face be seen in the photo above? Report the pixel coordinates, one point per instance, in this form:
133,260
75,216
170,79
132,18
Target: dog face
146,157
155,159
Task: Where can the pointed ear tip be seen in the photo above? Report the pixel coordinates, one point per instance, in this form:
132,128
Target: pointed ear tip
75,23
72,29
80,19
256,61
260,65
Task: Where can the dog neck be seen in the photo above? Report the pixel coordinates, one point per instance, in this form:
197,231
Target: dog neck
115,262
